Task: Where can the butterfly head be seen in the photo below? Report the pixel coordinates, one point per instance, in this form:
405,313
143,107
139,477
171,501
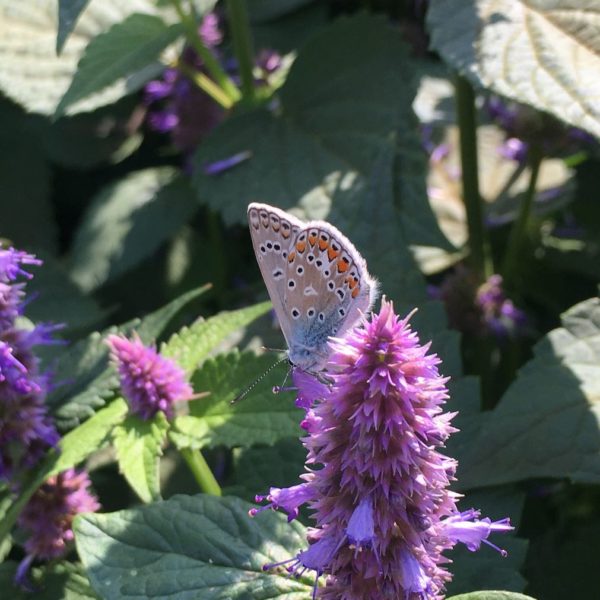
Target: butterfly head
307,358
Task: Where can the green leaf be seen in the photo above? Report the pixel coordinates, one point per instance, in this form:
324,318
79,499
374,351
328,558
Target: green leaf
59,299
88,139
255,470
546,424
127,222
138,445
191,345
129,49
336,148
260,418
543,54
486,569
266,10
64,580
189,547
26,212
491,595
95,433
37,78
84,369
68,13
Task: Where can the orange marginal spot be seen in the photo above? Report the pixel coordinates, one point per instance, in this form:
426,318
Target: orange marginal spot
301,247
342,265
332,253
352,281
285,232
291,257
312,238
355,291
323,245
275,225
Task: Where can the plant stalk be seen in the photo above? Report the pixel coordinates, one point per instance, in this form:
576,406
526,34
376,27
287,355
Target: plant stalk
201,471
206,84
518,231
242,45
479,246
211,63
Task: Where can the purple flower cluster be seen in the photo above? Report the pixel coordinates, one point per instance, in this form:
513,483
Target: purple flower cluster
180,108
48,517
177,106
26,430
480,309
150,382
375,478
525,126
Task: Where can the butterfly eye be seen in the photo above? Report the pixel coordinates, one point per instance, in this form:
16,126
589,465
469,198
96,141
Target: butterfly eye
276,247
310,258
340,292
269,245
321,317
326,273
342,312
331,285
291,284
319,263
310,312
300,270
295,313
263,249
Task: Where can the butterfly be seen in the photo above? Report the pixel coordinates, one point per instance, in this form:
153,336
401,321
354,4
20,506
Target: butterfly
316,279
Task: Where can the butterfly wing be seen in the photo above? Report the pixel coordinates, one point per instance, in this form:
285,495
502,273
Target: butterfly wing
328,289
273,232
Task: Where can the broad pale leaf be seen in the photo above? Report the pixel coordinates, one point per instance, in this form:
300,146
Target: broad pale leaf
87,380
546,54
127,222
138,445
31,73
190,547
336,148
68,13
546,424
191,345
131,47
260,418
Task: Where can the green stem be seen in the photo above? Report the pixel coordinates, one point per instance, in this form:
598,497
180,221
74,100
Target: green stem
210,62
242,45
479,246
205,84
516,237
201,471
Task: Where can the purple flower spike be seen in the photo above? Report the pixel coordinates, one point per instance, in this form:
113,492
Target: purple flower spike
48,517
376,479
150,382
26,430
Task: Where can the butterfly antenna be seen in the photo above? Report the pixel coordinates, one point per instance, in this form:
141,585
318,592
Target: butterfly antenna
245,392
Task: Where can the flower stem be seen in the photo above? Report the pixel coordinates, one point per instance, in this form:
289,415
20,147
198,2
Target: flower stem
206,84
479,246
242,45
516,237
201,471
211,63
